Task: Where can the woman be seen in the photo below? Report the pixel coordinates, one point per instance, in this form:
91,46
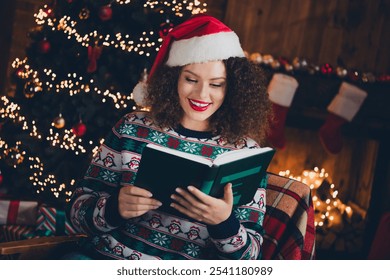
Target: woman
204,95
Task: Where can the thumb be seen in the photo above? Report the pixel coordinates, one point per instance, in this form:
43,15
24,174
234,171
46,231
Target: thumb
228,194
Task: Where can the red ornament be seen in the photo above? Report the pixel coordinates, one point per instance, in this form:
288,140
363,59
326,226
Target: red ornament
49,11
326,69
1,179
105,13
384,78
44,46
354,75
19,73
165,28
79,129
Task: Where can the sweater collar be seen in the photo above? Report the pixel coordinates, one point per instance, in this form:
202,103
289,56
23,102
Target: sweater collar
193,133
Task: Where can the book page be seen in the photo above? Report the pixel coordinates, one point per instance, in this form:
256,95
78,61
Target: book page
239,154
181,154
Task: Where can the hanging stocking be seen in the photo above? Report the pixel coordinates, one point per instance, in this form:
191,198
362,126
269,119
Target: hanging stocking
281,92
342,109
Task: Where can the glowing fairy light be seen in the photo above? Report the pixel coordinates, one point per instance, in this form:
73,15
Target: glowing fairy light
49,182
328,209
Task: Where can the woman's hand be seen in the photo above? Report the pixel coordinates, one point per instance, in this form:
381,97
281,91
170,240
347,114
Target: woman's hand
134,201
202,207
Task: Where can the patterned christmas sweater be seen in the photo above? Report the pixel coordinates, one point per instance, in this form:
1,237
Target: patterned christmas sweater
157,235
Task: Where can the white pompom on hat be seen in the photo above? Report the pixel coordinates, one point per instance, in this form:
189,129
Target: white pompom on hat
281,89
201,38
348,101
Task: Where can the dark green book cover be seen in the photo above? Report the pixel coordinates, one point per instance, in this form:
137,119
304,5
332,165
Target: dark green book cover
162,170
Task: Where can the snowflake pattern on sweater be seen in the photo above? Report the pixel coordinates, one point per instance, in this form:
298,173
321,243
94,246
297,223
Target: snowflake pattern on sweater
158,235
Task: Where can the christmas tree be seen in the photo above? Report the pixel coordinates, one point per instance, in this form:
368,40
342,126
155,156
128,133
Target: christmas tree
82,63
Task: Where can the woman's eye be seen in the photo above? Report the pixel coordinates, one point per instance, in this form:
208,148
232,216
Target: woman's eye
216,85
190,80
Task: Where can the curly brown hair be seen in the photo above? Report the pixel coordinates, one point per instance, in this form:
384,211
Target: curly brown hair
245,111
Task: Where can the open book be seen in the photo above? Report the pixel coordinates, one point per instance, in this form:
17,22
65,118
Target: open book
162,170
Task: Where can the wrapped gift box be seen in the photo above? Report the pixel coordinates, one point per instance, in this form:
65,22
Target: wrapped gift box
16,232
53,221
18,212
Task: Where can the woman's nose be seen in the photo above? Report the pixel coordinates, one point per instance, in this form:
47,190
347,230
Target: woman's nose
203,90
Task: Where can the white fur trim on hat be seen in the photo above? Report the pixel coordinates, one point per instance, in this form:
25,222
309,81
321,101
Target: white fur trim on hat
211,47
282,89
348,101
139,93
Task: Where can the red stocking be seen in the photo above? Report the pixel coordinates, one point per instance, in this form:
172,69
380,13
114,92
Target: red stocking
330,133
342,109
281,91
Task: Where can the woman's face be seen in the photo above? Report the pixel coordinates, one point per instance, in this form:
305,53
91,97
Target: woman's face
202,89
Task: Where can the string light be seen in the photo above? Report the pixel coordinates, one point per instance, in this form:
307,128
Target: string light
326,206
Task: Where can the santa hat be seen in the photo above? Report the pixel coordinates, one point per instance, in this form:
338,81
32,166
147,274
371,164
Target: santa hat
201,38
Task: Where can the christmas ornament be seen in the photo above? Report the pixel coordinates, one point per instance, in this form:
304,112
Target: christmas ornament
44,46
31,88
256,57
384,78
105,13
93,56
342,109
281,91
368,78
19,73
1,178
275,64
84,13
296,63
165,28
341,72
13,156
59,122
79,129
326,69
285,64
49,12
267,59
354,75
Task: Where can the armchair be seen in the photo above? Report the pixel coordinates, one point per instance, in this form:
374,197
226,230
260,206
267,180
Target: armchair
288,223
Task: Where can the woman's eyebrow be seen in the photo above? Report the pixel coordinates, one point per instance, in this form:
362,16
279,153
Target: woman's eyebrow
216,78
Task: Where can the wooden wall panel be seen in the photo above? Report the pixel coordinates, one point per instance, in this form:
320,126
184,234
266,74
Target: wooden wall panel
217,8
346,33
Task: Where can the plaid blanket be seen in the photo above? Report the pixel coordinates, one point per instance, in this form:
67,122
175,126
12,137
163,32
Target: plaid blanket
289,220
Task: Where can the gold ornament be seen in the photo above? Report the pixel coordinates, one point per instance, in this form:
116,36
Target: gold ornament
59,122
256,57
84,13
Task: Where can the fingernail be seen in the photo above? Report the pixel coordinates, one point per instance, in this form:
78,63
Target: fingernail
190,188
178,190
159,203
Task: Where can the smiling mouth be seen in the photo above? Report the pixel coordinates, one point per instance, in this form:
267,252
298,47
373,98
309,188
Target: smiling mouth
199,105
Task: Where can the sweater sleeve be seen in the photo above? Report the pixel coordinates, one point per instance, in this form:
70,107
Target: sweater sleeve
241,235
93,208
